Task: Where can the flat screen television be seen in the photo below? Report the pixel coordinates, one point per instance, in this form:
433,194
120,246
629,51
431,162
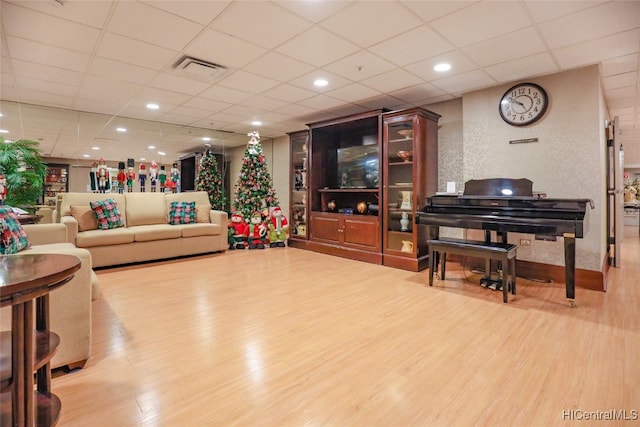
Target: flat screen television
358,166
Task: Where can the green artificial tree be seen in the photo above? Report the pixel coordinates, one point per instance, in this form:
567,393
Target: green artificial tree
24,172
210,180
254,191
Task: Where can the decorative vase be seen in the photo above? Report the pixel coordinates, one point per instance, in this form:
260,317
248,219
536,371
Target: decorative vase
331,205
407,246
404,222
361,207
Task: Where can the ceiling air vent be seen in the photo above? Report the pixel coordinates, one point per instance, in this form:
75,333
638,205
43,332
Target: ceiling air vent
200,68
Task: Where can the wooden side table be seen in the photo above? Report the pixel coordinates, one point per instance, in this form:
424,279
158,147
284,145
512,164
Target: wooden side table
25,279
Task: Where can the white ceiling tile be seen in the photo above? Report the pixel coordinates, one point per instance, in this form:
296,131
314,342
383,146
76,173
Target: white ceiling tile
97,87
288,93
621,92
460,63
46,73
596,50
360,65
264,103
518,44
417,93
621,80
18,21
120,71
321,102
353,92
392,80
47,86
383,20
382,101
278,67
202,12
627,102
193,114
135,52
619,65
249,82
43,98
225,94
246,112
596,22
263,23
314,11
430,10
178,84
93,13
220,48
547,10
306,81
317,46
162,96
520,68
420,43
44,54
466,82
207,104
158,27
481,21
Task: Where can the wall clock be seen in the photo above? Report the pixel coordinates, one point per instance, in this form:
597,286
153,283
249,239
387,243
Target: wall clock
523,104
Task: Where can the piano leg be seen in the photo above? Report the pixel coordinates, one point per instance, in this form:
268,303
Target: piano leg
570,267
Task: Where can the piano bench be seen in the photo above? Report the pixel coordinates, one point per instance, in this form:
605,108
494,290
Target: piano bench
504,252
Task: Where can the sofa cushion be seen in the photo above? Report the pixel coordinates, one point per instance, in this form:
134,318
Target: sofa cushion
107,214
116,236
85,217
203,213
195,230
146,209
66,200
182,213
13,238
146,233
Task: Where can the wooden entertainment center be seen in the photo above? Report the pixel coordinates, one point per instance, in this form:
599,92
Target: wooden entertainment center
357,182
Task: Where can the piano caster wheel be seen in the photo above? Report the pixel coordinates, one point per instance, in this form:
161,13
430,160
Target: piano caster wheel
572,303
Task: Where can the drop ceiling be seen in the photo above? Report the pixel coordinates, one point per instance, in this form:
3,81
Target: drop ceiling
74,70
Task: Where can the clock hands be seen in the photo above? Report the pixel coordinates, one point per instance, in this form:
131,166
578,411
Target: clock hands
516,101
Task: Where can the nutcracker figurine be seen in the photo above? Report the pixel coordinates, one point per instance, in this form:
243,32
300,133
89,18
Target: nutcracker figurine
121,177
102,175
153,175
93,177
131,176
142,177
175,177
162,178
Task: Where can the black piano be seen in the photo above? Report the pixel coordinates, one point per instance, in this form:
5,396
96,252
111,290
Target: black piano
508,205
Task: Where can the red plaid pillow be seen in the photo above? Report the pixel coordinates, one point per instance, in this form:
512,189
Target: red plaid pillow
107,214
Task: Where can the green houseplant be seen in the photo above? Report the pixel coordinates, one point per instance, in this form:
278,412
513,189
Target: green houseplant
22,166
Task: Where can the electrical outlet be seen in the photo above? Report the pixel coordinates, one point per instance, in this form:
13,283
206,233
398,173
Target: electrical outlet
525,242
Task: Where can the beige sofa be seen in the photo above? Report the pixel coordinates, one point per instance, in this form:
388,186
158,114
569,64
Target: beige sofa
69,305
146,234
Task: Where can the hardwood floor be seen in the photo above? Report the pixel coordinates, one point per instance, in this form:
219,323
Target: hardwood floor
287,337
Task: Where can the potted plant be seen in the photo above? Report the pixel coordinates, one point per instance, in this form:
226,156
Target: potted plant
24,172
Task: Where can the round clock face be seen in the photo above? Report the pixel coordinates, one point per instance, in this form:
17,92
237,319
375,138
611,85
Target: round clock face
523,104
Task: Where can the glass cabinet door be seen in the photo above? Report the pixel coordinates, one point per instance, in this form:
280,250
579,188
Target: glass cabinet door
299,195
400,200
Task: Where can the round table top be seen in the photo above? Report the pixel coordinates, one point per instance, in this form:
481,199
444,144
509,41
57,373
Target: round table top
26,272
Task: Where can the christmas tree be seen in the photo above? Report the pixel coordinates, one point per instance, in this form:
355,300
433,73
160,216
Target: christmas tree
210,180
254,191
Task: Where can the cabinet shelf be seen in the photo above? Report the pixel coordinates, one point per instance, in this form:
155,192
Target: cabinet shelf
348,190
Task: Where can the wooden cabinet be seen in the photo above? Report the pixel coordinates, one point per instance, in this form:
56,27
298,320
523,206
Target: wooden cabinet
55,181
365,177
410,174
299,143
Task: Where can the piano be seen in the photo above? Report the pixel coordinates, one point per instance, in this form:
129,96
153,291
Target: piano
508,205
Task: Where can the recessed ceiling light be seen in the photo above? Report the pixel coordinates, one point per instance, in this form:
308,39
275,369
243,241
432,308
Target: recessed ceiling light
162,153
206,138
442,67
256,123
86,155
121,129
142,159
95,148
151,147
4,131
321,82
1,115
152,106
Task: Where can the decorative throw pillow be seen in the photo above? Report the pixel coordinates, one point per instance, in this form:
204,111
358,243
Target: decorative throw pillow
107,214
85,217
202,213
182,213
13,238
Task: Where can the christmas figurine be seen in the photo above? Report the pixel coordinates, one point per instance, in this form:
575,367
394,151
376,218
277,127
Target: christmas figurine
131,176
256,231
121,177
278,228
162,177
3,188
153,175
142,177
237,231
93,177
102,175
175,177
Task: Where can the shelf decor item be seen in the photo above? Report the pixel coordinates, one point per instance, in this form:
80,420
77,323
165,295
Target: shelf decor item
361,207
404,222
404,199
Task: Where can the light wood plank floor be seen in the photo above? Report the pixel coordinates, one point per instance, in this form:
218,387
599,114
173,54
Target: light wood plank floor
286,337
